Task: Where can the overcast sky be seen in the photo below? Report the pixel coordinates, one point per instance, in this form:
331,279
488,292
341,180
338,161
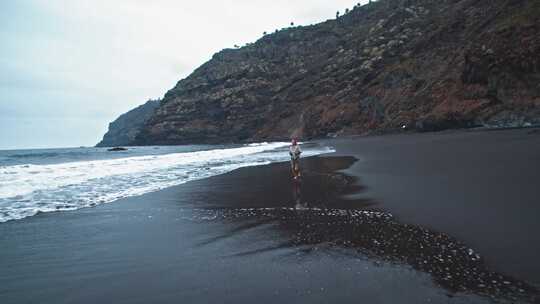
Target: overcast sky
68,68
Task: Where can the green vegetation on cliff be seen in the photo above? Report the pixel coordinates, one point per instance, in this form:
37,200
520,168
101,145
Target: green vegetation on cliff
423,64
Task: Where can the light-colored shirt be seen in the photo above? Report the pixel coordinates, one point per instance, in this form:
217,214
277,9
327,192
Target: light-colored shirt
295,151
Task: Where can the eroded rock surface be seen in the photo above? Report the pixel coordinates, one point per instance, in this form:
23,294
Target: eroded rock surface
391,64
125,128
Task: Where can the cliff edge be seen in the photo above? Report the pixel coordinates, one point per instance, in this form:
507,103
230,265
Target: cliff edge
392,64
126,127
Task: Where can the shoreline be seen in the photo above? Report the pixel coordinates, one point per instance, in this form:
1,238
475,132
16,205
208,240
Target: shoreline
251,228
480,187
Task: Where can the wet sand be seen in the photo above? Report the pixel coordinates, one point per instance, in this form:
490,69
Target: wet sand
481,187
252,235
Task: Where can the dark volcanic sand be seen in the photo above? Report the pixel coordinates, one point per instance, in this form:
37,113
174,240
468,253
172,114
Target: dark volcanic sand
253,236
481,187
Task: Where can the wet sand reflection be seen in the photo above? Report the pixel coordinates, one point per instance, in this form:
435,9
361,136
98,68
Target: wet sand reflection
319,222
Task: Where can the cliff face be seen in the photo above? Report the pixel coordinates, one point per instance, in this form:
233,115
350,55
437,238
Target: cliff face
125,128
422,64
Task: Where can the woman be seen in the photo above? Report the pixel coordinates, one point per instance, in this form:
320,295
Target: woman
294,152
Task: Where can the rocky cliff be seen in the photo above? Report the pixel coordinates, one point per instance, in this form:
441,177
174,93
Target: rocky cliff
125,128
392,64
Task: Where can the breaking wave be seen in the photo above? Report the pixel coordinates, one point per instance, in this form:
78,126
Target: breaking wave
27,189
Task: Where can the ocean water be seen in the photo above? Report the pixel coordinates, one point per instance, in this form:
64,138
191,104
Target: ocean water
48,180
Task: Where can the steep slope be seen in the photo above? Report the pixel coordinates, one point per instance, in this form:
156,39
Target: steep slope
422,64
127,126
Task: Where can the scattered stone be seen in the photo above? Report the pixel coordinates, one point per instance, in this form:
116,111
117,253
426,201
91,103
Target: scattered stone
117,149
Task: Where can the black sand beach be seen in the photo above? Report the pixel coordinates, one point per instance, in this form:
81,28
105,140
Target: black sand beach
481,187
421,218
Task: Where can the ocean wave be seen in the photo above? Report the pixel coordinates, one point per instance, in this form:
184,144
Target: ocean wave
28,155
28,189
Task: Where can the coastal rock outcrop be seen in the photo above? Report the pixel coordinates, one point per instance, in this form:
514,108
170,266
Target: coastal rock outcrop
127,126
388,65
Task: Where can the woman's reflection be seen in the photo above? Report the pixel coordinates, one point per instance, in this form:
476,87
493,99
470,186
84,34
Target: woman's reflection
297,195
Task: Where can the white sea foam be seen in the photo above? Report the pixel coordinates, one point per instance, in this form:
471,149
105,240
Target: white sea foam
28,189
